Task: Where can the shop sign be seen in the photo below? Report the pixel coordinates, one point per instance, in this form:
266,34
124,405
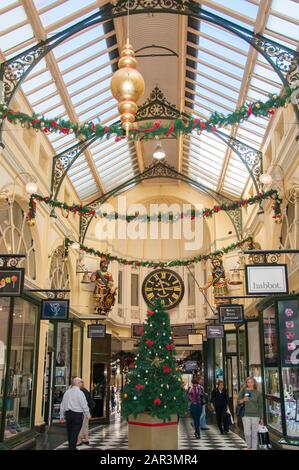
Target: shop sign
195,339
190,366
55,309
288,313
96,331
266,279
215,331
231,313
11,282
178,331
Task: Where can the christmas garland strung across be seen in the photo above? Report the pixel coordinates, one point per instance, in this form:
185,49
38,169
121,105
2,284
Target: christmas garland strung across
149,130
160,217
245,243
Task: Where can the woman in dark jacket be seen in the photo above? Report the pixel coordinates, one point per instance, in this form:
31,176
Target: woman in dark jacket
219,401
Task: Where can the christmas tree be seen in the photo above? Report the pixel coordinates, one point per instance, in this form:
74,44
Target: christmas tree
155,386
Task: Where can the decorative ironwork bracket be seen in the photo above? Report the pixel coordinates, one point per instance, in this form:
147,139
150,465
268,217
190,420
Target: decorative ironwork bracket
64,161
283,59
267,256
51,293
161,169
157,107
10,261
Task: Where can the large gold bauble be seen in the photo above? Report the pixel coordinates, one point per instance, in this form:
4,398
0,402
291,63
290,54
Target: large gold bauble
127,86
31,222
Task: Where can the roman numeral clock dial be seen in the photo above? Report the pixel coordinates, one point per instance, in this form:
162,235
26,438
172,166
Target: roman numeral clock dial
164,284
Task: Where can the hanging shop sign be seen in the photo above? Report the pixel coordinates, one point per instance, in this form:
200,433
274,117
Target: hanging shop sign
266,279
195,339
215,331
231,313
55,309
11,282
178,331
96,331
190,366
288,314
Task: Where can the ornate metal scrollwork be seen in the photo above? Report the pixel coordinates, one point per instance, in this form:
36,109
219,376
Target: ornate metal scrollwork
10,261
264,258
63,162
283,58
150,5
12,72
157,107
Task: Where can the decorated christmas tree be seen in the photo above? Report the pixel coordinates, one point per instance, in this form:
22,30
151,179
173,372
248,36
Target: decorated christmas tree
155,385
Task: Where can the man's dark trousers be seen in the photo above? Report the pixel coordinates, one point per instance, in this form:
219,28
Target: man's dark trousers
74,422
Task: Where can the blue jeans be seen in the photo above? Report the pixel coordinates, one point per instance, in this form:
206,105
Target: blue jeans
196,410
203,421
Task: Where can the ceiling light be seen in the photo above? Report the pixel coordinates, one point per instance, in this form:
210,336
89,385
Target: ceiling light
31,187
159,152
266,178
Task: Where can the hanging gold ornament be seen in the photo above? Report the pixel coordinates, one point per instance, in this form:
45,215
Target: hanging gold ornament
127,86
31,222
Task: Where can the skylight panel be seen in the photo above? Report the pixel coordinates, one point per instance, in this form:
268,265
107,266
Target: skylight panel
12,18
78,40
64,10
284,27
7,3
37,81
240,6
224,36
15,37
231,18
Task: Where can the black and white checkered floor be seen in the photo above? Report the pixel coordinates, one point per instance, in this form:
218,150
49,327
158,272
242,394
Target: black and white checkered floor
115,436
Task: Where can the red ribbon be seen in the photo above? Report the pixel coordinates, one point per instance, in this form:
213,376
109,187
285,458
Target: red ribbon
170,130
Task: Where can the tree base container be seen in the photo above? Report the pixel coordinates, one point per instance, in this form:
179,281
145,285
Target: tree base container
146,432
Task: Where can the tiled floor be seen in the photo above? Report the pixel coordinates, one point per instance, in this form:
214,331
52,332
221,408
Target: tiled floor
115,436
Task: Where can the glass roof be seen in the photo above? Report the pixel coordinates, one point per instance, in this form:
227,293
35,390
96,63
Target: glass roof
221,73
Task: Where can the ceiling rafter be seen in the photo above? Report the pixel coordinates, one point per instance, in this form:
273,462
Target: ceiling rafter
260,23
40,34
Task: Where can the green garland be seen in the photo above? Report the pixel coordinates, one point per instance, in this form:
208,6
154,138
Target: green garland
207,212
148,130
153,264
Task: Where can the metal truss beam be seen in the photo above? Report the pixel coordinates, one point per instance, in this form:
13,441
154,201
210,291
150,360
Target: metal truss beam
161,169
283,59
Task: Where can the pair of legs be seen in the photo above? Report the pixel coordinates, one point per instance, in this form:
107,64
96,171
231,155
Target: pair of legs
83,435
73,425
251,426
203,421
196,410
221,419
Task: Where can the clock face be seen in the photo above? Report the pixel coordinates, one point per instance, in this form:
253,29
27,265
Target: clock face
165,285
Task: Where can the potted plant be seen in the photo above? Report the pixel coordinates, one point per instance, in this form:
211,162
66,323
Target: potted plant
154,396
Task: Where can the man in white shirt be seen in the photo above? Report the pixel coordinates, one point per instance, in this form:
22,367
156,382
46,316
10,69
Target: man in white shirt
72,409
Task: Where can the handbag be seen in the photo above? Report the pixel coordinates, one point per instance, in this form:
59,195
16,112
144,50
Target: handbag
240,410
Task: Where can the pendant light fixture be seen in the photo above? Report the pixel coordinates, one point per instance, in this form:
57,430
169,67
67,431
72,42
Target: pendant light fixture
159,152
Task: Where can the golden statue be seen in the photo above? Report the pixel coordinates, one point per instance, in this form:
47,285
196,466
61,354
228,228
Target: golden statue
104,291
218,280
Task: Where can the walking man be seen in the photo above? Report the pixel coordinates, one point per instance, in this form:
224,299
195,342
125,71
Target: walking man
72,409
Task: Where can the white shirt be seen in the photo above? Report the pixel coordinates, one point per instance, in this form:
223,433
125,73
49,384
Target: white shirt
74,400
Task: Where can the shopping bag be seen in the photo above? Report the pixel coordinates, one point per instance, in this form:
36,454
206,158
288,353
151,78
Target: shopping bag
240,410
231,416
227,420
263,438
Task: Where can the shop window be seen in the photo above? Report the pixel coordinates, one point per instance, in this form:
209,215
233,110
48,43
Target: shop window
77,351
120,287
18,406
4,319
59,275
231,343
218,359
273,400
62,365
290,379
270,337
134,290
242,354
191,290
15,236
254,354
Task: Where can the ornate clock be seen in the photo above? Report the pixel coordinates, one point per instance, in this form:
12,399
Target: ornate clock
164,284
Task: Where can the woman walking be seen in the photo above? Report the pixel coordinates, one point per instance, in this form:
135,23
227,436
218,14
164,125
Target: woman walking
252,401
196,400
219,401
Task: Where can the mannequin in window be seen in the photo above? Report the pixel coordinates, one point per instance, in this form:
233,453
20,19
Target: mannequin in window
218,280
104,292
60,360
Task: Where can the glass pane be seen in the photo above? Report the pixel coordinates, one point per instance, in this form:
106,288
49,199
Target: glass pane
290,378
231,342
288,314
242,354
270,337
218,359
134,290
254,359
19,396
77,348
273,402
4,319
62,366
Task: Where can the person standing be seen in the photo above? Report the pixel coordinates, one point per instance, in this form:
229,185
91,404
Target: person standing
219,401
83,435
203,421
195,400
72,409
252,400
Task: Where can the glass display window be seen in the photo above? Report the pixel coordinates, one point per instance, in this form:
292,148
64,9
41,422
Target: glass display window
290,378
273,399
4,318
231,342
254,353
242,354
18,406
218,359
76,351
270,337
62,369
